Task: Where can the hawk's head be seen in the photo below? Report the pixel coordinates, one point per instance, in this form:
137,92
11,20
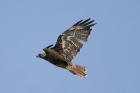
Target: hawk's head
44,53
41,55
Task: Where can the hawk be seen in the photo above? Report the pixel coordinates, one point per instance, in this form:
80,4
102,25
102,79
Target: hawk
67,46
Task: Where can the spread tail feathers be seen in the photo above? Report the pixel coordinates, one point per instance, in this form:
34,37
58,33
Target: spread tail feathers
77,69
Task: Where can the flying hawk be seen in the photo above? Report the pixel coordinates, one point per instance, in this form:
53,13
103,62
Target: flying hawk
67,46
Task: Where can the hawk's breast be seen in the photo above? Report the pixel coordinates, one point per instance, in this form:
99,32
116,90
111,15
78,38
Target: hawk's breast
55,58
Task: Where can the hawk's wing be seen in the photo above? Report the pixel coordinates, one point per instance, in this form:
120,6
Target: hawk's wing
69,42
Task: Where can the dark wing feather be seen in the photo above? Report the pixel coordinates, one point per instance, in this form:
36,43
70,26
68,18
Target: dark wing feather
69,42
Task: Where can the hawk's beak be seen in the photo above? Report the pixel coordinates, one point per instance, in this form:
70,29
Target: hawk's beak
37,56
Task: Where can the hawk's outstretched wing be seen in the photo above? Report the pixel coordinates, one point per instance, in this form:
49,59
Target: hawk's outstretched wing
69,42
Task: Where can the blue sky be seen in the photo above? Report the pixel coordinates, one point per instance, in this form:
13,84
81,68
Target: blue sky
112,53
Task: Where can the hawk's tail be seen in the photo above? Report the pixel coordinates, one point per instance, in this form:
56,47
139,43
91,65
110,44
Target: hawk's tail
77,69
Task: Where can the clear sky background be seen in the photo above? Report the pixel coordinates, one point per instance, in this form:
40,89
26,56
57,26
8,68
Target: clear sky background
112,53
